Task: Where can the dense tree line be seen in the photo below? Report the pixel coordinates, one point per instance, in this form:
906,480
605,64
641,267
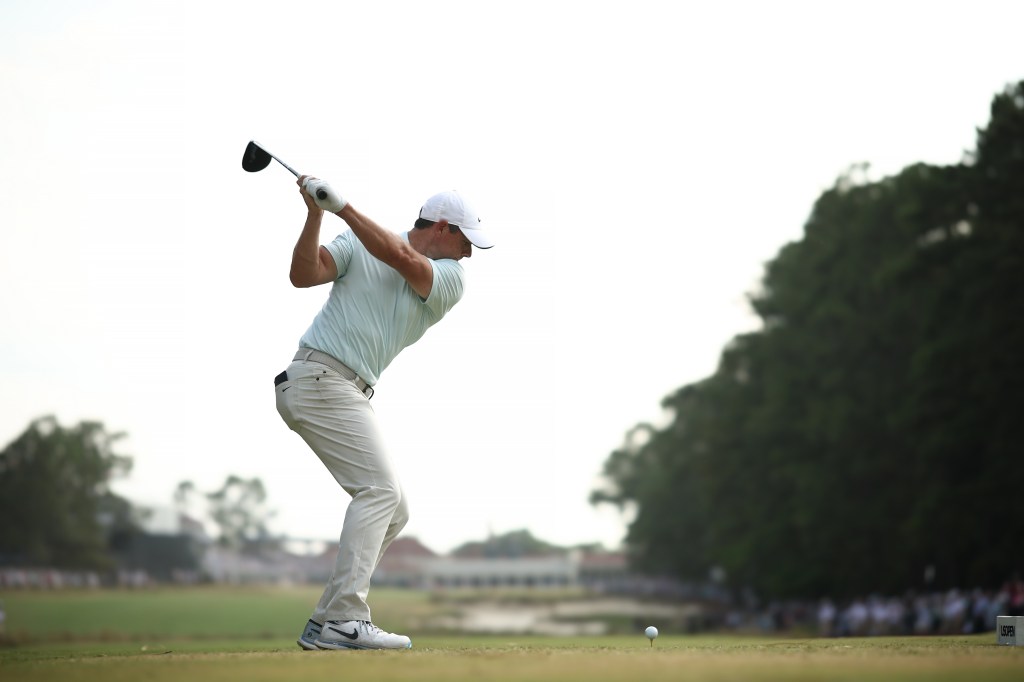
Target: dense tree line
871,428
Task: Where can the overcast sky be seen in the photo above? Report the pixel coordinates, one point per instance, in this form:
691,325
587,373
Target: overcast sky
639,163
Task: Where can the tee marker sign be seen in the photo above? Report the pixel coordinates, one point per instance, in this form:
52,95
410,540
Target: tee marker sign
1010,630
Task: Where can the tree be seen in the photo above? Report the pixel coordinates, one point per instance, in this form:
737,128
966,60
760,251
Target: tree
517,543
869,429
239,509
56,507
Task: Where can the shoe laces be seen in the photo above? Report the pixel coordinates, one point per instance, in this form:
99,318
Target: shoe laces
371,628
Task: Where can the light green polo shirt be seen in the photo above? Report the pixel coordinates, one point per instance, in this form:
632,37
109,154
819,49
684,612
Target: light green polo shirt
372,313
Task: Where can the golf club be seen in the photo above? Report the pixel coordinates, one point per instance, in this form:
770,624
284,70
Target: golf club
256,158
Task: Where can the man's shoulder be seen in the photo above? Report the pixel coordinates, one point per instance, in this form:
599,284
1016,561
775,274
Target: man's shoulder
448,266
343,243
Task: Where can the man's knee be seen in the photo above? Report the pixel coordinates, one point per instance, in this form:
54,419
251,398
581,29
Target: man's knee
401,515
386,497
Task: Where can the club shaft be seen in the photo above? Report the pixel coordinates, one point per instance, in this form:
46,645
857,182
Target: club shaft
294,172
321,194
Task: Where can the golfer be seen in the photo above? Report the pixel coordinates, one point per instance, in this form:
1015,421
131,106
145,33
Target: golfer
386,290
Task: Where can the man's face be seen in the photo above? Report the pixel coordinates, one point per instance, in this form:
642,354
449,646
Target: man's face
454,244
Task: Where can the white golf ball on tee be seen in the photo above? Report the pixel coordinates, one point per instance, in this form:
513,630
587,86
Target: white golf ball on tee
651,632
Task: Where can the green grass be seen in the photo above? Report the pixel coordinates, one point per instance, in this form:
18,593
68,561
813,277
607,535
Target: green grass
248,634
195,613
533,659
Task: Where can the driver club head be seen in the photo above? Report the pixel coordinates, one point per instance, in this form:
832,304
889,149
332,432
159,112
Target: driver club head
255,157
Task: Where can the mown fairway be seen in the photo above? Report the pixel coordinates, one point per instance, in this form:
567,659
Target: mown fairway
248,634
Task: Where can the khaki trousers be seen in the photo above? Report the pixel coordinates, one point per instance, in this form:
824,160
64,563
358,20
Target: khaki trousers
335,419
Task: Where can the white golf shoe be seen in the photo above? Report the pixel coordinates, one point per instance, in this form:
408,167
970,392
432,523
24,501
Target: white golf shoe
359,634
307,640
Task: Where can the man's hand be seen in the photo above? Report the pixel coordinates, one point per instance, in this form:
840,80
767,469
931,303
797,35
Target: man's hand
307,197
322,193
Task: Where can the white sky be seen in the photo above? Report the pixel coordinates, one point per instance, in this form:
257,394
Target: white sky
638,161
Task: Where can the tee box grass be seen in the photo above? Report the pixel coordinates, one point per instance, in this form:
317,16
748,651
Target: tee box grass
249,634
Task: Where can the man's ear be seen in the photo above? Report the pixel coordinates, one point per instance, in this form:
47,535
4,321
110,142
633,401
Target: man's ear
441,225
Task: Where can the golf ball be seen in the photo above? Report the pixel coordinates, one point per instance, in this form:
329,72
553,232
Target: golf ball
651,632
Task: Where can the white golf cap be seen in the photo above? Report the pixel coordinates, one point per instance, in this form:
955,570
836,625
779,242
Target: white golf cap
452,207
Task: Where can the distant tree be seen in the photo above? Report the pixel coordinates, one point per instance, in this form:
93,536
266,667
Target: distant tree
516,543
186,500
56,507
238,509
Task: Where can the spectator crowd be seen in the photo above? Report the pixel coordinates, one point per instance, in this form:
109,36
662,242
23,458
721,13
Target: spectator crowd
953,612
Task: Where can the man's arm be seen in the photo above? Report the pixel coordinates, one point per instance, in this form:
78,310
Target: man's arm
392,250
312,264
384,245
